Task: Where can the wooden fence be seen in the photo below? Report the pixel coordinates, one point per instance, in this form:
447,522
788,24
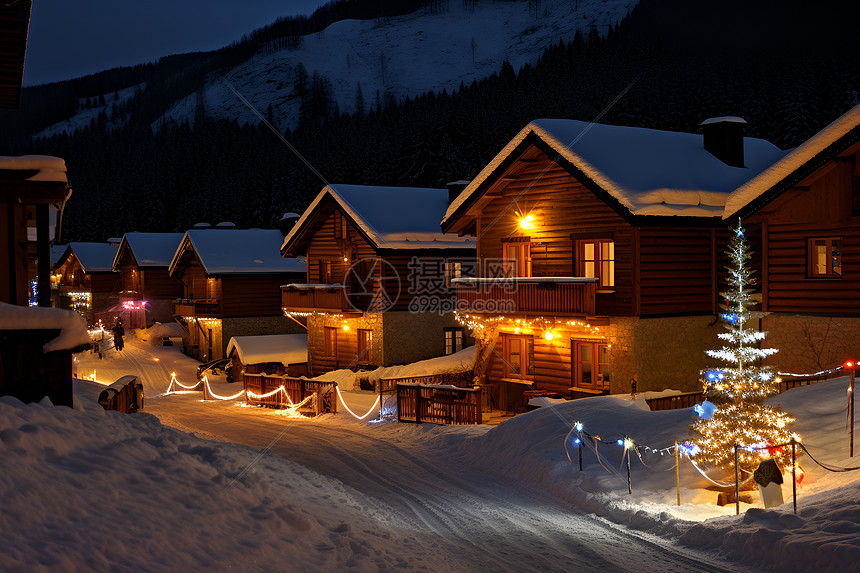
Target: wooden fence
125,395
789,382
675,402
296,388
441,405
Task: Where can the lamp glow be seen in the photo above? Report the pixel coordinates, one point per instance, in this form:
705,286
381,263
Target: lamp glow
527,222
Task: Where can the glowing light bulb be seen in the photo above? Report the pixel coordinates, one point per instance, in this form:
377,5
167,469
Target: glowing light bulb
548,335
345,326
527,222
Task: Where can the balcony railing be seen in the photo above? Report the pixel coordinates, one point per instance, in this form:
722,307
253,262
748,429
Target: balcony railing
208,308
560,296
314,298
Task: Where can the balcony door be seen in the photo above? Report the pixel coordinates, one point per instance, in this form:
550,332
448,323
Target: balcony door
589,365
518,260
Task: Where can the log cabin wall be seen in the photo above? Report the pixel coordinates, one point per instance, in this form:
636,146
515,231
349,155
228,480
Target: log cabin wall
564,211
345,352
157,284
251,295
821,207
323,246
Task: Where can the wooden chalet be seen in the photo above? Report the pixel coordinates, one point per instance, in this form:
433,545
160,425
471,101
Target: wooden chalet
377,291
803,216
598,255
231,281
147,291
85,281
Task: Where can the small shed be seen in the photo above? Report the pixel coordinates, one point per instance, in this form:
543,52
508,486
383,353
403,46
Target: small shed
278,354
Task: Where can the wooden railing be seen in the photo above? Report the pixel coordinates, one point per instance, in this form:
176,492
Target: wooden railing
789,382
675,402
441,405
315,298
557,298
197,307
461,379
296,388
125,395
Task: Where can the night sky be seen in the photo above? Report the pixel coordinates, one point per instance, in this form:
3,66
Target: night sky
70,39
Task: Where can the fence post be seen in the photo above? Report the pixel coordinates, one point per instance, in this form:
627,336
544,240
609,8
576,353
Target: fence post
794,473
677,474
580,453
417,404
627,451
737,485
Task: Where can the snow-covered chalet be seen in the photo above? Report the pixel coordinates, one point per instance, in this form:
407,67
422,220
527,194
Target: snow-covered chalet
378,285
599,255
147,292
84,279
804,221
230,282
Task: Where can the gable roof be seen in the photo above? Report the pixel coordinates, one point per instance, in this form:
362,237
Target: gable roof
238,252
94,257
647,171
150,249
390,217
284,348
796,165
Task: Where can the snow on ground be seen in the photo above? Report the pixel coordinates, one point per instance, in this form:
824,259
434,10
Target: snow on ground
88,116
101,490
404,56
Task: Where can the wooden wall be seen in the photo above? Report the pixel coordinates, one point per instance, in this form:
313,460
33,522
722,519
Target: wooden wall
157,284
819,207
253,295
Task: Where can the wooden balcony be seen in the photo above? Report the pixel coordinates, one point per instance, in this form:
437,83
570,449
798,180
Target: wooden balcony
201,308
315,298
556,296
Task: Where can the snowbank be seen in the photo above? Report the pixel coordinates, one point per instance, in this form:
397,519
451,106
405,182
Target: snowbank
156,333
72,326
284,348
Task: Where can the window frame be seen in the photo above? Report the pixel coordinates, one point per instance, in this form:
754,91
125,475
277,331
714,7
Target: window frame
812,258
598,382
527,356
364,346
450,344
604,257
520,265
330,341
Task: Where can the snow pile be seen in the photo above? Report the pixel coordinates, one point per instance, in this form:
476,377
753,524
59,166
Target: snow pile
72,326
461,361
99,491
284,348
48,168
822,536
649,171
158,331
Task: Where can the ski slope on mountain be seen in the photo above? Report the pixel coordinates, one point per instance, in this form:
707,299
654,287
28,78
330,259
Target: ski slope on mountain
399,57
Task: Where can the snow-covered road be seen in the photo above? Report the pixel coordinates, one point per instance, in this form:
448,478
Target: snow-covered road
473,519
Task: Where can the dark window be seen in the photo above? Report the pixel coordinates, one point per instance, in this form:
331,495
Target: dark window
325,272
824,258
454,340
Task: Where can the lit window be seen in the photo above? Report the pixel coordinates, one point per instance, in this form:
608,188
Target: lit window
452,271
825,257
591,365
519,356
365,345
596,258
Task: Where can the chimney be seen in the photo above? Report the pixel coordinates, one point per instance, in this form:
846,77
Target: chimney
724,139
287,222
455,188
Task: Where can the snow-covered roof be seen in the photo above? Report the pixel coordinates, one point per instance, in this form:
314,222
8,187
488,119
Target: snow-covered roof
649,172
795,161
94,257
72,326
392,217
284,348
47,168
57,252
152,249
240,251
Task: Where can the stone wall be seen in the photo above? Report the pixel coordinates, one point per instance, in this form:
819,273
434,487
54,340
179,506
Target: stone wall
808,343
410,337
666,352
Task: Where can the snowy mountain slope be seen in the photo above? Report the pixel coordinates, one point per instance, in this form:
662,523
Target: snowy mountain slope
88,115
403,56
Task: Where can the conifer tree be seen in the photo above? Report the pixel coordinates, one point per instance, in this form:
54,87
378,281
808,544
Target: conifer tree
739,388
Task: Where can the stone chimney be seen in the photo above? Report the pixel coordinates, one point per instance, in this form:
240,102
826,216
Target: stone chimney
455,188
724,139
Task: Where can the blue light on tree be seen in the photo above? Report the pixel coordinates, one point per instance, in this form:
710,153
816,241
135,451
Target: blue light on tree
705,410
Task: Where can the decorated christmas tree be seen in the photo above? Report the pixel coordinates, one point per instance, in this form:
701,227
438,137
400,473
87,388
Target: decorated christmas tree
738,388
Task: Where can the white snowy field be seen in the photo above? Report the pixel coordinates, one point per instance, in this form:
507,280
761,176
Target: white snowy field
255,489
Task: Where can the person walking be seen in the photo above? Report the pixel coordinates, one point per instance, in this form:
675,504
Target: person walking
118,332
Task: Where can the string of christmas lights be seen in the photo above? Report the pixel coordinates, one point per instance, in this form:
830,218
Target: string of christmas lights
340,397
